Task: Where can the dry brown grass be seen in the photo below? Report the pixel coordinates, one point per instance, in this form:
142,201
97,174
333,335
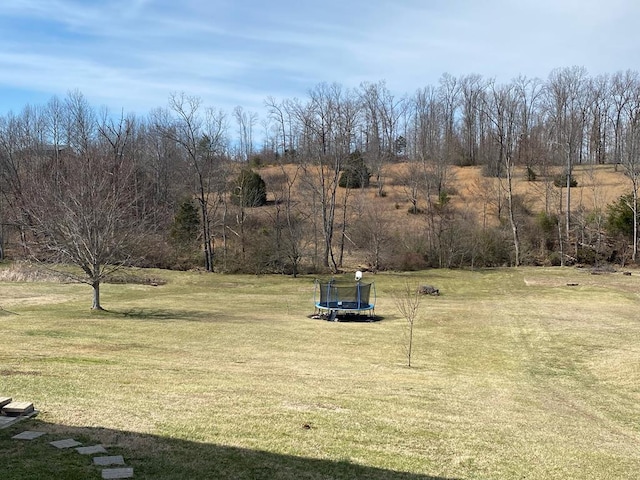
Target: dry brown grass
28,272
472,192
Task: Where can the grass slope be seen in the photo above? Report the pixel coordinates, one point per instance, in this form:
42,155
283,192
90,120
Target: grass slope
517,375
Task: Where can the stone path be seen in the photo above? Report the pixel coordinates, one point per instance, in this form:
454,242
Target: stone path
91,450
115,465
68,443
100,461
28,435
12,412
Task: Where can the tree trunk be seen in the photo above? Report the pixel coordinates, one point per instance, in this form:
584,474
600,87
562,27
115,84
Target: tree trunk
206,233
343,233
634,209
512,217
568,199
561,243
224,236
96,296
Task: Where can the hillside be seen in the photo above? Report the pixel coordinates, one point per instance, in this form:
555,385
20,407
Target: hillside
597,186
471,191
473,197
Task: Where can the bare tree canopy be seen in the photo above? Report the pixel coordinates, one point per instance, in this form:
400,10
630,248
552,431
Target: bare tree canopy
97,189
80,209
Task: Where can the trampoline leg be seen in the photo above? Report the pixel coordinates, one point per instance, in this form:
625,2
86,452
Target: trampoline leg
333,316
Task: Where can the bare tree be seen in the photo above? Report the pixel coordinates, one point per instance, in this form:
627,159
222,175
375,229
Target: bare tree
429,164
10,158
289,218
429,137
600,121
82,211
472,88
567,106
449,96
328,120
372,233
286,123
246,121
502,110
17,145
408,304
202,139
414,183
79,122
631,156
621,93
529,93
381,123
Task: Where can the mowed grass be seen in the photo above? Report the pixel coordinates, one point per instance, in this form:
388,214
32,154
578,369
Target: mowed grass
517,373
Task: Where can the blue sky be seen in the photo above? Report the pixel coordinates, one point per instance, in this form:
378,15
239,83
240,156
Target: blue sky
131,54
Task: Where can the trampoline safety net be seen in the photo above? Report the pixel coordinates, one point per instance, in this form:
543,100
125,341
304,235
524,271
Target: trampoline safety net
344,298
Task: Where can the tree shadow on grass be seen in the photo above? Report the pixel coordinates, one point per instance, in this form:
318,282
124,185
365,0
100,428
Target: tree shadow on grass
160,314
161,458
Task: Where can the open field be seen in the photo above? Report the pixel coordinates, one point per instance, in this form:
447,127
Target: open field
521,373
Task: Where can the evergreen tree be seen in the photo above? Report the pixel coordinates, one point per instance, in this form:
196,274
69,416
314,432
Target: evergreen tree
250,189
620,217
355,173
186,224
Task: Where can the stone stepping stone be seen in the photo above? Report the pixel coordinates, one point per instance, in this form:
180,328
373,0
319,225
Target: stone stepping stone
28,435
15,409
91,450
66,443
6,421
5,401
112,460
111,473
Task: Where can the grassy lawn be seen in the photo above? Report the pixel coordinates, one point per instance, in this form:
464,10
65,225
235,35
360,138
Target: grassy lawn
516,374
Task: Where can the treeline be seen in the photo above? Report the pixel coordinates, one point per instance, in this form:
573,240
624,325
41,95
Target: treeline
185,185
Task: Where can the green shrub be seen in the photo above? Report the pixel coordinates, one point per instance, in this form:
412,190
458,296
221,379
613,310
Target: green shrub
620,217
588,255
186,223
250,189
355,173
554,259
547,222
560,181
256,161
531,175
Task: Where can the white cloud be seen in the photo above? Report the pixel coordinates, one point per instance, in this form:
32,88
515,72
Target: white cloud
132,54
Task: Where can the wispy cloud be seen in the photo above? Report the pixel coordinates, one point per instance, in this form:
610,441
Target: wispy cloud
132,54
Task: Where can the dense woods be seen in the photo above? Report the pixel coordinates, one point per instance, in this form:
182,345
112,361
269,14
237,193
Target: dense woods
341,178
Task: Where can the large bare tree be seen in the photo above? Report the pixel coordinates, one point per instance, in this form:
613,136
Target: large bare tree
202,139
329,122
631,155
502,108
246,122
80,209
567,107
